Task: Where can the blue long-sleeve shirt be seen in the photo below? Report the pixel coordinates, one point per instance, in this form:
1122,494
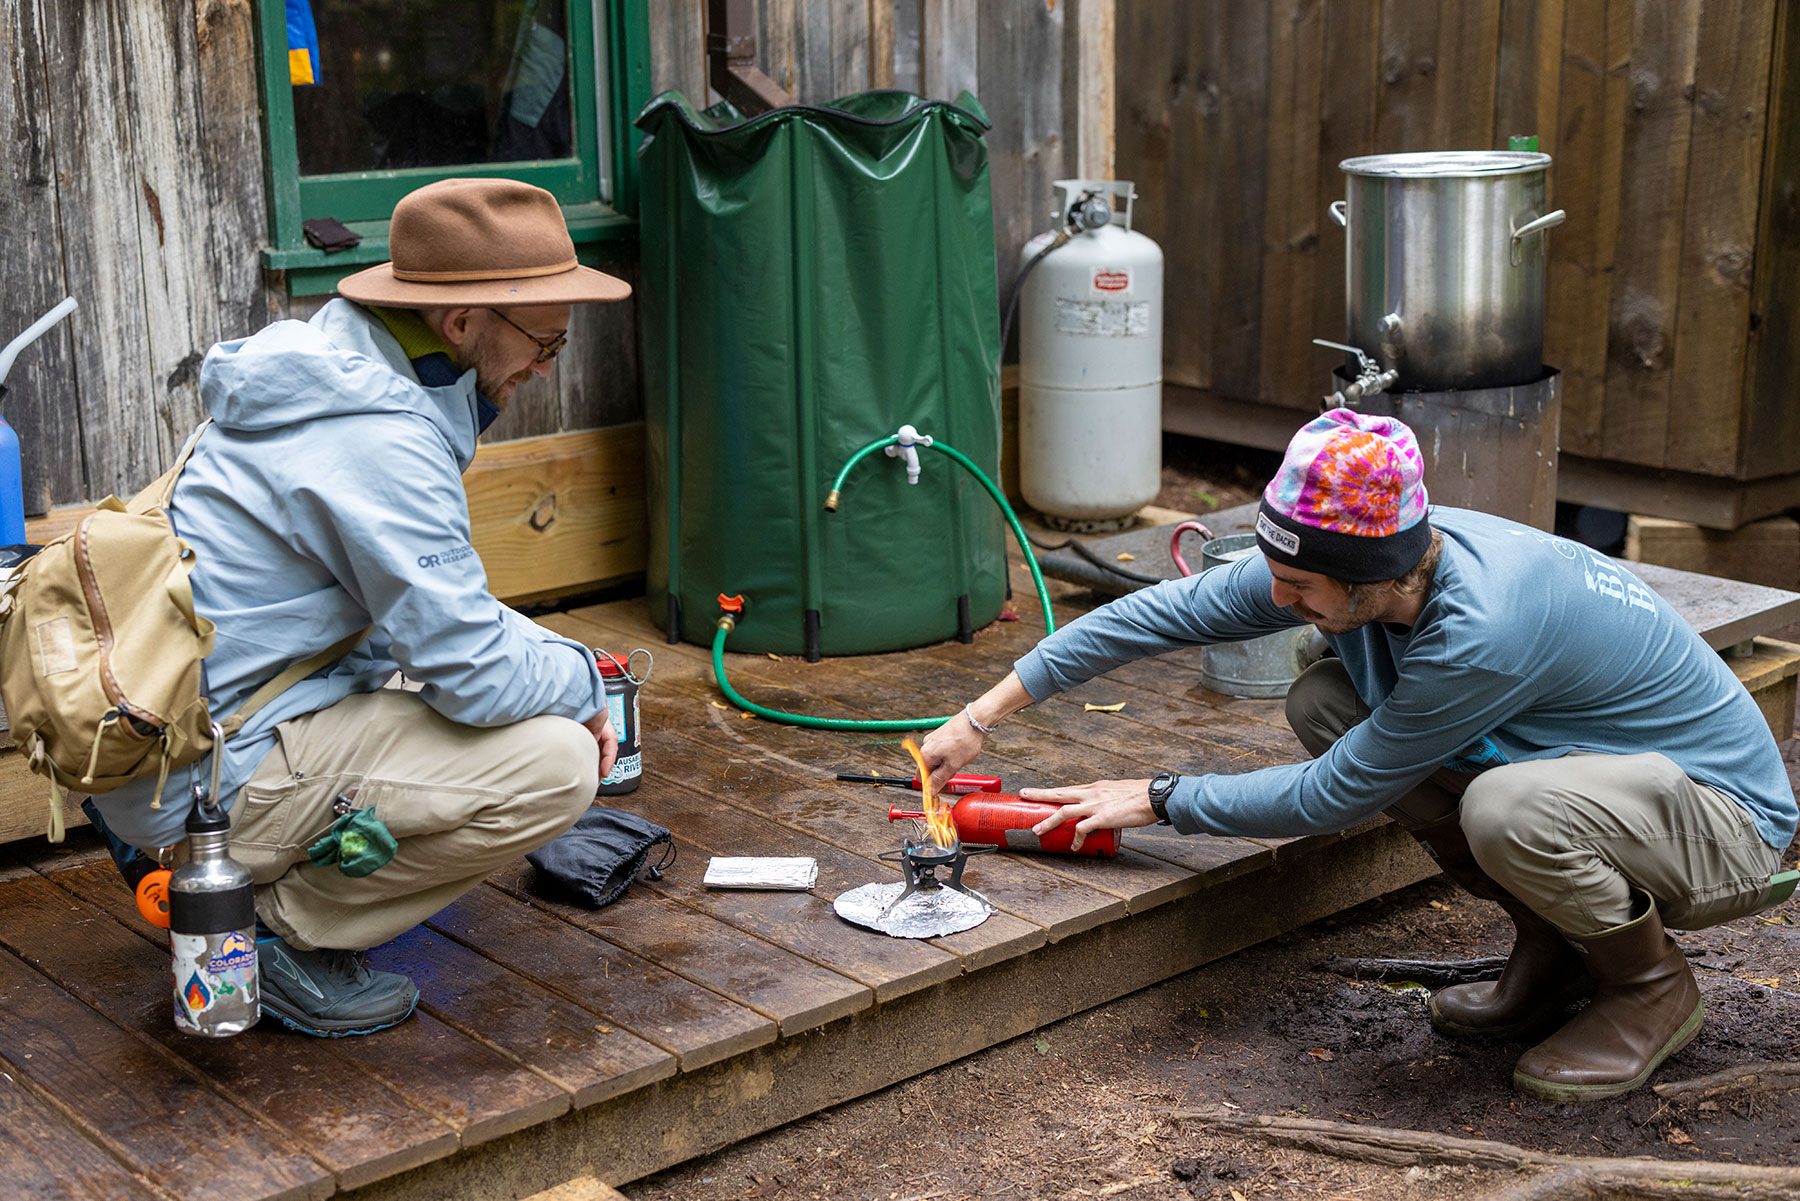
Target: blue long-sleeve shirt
1528,647
328,497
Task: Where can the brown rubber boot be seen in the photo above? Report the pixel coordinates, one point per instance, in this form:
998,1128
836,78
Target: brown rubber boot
1647,1008
1543,975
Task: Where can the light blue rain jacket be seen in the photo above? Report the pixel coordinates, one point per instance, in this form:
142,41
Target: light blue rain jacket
328,497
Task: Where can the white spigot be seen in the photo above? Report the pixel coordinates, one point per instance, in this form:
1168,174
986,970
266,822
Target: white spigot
910,440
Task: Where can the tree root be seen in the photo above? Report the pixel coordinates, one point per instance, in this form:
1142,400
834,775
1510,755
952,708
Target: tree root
1569,1178
1776,1077
1431,973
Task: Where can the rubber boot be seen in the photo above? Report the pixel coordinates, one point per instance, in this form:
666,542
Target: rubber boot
1646,1008
1543,975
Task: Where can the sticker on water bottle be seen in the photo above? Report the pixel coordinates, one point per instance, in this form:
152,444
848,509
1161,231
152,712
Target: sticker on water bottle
205,977
625,767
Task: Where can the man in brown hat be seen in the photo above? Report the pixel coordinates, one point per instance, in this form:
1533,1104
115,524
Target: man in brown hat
326,507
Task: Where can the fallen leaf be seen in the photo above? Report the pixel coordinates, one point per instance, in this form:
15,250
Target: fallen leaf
1765,981
1321,1054
1042,1045
1127,557
1677,1137
1008,613
720,705
1236,1196
773,656
1093,708
1439,905
746,715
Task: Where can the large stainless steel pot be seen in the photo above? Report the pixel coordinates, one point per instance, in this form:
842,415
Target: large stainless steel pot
1444,265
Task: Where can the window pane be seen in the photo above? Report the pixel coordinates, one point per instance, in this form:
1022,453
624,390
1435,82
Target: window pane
435,83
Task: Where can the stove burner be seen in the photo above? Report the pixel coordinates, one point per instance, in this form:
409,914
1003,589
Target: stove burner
930,900
920,863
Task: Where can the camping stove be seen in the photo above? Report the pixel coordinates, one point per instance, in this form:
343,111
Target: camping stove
930,899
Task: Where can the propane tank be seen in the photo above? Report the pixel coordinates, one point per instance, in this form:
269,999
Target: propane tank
1090,363
622,705
1005,820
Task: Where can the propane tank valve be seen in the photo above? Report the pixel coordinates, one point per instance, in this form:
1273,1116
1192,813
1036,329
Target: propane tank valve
906,448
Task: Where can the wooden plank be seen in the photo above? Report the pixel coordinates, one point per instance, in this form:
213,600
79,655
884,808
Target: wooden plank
554,1037
100,205
950,47
1406,101
316,1094
797,994
1587,182
230,142
696,1113
1528,82
853,819
778,28
1764,552
582,1188
598,378
153,1113
45,1158
695,1024
881,42
1021,68
850,53
1293,370
678,49
25,801
1092,91
1240,55
909,53
1464,84
1718,246
1350,89
1715,503
1647,274
159,89
560,512
1771,674
477,1094
32,275
1771,442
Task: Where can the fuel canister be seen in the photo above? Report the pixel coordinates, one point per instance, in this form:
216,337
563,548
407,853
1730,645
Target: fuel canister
622,685
1005,820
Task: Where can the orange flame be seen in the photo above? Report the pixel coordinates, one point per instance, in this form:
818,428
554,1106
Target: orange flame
937,814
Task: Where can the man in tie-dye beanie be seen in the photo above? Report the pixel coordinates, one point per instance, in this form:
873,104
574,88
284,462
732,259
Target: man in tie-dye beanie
1556,736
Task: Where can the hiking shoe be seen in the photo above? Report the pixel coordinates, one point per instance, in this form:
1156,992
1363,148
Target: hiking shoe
330,993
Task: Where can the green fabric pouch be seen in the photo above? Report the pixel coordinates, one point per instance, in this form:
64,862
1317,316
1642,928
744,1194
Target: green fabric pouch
357,843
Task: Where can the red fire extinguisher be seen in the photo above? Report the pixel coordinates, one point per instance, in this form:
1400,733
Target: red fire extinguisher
1005,820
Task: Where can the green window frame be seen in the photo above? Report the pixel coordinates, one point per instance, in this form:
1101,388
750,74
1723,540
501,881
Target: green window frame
597,188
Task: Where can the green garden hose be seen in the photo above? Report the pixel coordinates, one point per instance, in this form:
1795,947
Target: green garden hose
728,622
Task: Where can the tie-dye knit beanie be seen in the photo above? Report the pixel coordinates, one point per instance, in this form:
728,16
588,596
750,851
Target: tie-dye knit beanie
1349,501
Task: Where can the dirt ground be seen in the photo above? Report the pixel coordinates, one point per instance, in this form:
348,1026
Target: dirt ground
1101,1104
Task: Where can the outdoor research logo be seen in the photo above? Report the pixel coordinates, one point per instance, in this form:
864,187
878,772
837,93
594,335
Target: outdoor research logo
456,555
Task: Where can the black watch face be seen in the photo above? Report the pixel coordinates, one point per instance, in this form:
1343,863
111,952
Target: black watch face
1163,785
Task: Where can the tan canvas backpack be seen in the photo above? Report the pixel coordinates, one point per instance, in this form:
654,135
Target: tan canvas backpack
101,652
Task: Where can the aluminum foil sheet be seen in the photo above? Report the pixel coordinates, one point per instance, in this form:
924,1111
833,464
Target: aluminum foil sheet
926,914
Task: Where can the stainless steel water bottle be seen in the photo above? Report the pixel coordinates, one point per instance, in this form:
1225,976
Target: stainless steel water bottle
212,924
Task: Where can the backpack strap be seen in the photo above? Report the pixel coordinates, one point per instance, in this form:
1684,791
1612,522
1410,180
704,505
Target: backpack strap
291,675
162,490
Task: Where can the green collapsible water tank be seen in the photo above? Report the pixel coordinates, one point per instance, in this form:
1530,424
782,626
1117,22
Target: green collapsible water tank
812,279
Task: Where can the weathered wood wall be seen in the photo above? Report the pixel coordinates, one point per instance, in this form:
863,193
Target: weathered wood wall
1041,68
1676,267
131,176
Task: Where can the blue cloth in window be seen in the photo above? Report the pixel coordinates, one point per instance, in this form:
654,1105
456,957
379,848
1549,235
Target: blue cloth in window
303,44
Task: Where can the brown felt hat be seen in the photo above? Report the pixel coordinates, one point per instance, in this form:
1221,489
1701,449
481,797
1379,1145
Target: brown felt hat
480,242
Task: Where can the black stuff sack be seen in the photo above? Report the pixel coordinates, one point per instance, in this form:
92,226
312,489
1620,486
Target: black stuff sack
596,861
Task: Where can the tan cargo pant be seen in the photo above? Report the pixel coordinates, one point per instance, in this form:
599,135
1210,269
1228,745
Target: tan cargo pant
1572,837
461,801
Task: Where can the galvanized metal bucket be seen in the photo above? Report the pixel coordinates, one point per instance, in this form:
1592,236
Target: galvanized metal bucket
1262,667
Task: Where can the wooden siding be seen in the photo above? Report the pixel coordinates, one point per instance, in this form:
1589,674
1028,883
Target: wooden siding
133,179
1666,117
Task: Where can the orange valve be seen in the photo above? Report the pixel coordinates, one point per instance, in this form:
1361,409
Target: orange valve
153,897
732,604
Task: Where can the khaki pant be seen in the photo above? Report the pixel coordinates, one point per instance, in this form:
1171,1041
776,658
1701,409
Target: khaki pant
1572,837
461,802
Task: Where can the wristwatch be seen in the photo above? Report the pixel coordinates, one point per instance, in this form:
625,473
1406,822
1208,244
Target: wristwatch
1161,789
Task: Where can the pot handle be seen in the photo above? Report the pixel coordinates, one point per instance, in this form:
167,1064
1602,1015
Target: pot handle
1336,209
1547,221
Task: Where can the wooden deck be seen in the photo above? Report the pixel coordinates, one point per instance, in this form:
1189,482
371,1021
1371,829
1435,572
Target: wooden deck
554,1043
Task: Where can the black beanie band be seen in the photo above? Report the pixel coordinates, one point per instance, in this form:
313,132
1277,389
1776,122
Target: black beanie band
1350,558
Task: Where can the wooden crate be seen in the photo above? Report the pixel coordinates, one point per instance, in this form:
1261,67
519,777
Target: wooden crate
1764,552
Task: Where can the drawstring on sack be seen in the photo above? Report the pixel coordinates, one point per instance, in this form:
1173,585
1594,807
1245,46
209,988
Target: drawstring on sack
112,715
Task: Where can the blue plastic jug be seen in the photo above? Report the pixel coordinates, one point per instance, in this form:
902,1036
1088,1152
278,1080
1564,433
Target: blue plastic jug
12,488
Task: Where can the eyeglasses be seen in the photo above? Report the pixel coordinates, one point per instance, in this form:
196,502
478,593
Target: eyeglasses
546,350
